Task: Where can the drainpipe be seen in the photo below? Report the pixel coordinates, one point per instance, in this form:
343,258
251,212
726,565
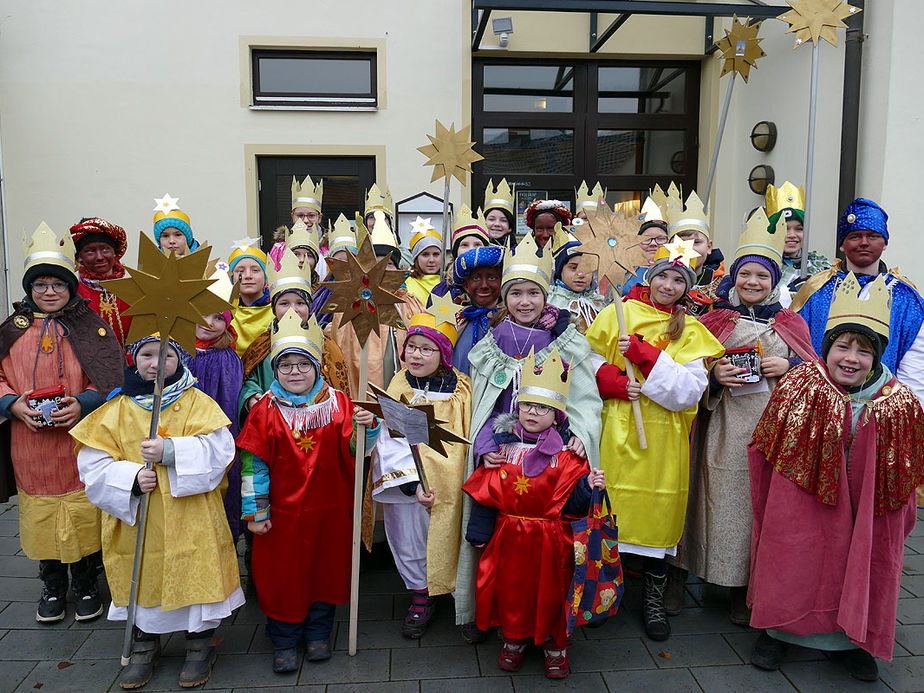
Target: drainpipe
850,114
4,227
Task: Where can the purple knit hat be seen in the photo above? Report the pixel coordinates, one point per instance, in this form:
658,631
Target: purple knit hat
441,341
768,264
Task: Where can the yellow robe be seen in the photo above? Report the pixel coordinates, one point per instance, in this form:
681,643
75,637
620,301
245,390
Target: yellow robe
188,555
249,322
421,287
648,488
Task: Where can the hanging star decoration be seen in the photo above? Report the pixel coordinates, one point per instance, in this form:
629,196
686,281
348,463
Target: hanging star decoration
365,290
739,48
613,239
817,19
443,309
435,436
451,153
167,295
165,204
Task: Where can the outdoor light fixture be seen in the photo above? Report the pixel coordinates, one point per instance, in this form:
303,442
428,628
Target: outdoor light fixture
763,136
503,27
759,178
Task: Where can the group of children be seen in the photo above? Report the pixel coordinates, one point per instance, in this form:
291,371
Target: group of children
516,350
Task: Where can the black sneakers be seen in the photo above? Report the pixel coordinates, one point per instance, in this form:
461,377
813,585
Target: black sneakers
50,606
657,627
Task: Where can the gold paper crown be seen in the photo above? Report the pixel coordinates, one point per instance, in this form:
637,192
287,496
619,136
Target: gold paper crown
586,198
376,199
45,249
307,194
528,263
381,232
290,334
651,210
166,208
426,319
757,240
343,237
500,197
221,284
247,247
550,386
468,224
691,217
872,312
288,276
303,237
787,196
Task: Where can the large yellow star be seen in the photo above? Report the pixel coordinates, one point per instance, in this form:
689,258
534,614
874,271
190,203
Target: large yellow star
443,309
521,485
739,48
682,250
451,153
817,19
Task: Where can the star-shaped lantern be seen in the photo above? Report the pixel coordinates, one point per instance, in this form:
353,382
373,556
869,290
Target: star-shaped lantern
364,291
613,240
167,295
739,48
812,20
165,204
451,153
443,309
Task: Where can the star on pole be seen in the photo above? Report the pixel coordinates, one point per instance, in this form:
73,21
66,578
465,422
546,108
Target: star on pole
165,204
421,225
613,239
739,48
812,20
682,250
443,309
450,153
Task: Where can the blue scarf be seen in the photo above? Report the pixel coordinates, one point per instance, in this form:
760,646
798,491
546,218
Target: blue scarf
293,400
480,318
141,392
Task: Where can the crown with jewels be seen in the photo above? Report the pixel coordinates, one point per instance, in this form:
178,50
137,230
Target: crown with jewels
342,238
307,194
377,199
288,276
689,217
585,198
301,236
500,197
787,196
872,312
290,334
757,240
549,386
528,262
44,248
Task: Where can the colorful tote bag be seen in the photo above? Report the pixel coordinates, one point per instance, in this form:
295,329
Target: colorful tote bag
597,587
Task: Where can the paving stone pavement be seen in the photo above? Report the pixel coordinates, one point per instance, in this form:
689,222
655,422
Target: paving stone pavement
706,653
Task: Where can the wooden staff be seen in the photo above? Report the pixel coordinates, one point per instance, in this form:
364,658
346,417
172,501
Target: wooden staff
630,372
358,503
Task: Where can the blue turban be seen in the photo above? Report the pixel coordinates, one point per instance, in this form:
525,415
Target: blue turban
862,215
470,260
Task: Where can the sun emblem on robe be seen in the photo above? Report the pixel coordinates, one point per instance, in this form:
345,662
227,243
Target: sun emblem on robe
303,441
107,305
521,485
662,342
162,431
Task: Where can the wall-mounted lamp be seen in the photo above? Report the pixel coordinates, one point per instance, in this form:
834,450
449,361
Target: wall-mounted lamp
763,136
503,27
759,178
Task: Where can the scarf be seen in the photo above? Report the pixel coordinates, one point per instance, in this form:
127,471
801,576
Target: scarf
313,409
546,444
433,383
727,297
480,319
264,300
93,279
141,391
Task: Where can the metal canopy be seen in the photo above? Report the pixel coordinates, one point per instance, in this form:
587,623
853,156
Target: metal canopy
481,13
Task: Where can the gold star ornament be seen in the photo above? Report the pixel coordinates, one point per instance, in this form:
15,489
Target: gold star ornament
443,309
812,20
613,239
167,295
682,249
451,153
739,48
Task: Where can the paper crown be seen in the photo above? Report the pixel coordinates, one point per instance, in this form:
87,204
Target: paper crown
757,240
290,334
427,320
500,197
307,194
377,199
301,236
584,198
342,238
288,276
528,263
425,236
222,285
651,211
872,312
381,233
468,224
247,247
691,217
550,386
168,215
45,249
787,196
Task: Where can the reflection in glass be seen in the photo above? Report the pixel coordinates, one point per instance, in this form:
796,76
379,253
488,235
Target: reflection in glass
535,88
528,150
315,76
641,89
634,152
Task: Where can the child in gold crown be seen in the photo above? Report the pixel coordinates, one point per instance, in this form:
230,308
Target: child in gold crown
528,561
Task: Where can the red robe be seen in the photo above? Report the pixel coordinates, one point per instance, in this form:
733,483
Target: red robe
305,557
110,308
527,567
828,534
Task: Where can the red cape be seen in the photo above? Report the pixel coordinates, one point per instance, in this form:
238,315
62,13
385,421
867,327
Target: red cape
790,326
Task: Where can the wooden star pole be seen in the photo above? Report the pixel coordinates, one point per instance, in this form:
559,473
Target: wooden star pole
169,296
451,154
365,294
814,20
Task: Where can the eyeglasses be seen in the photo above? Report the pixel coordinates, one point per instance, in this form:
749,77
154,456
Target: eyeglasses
302,366
656,241
424,351
42,287
537,409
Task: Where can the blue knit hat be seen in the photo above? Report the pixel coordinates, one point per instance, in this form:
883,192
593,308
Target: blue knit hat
862,215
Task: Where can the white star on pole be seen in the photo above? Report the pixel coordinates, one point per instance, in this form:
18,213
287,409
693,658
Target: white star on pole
682,250
166,204
420,225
